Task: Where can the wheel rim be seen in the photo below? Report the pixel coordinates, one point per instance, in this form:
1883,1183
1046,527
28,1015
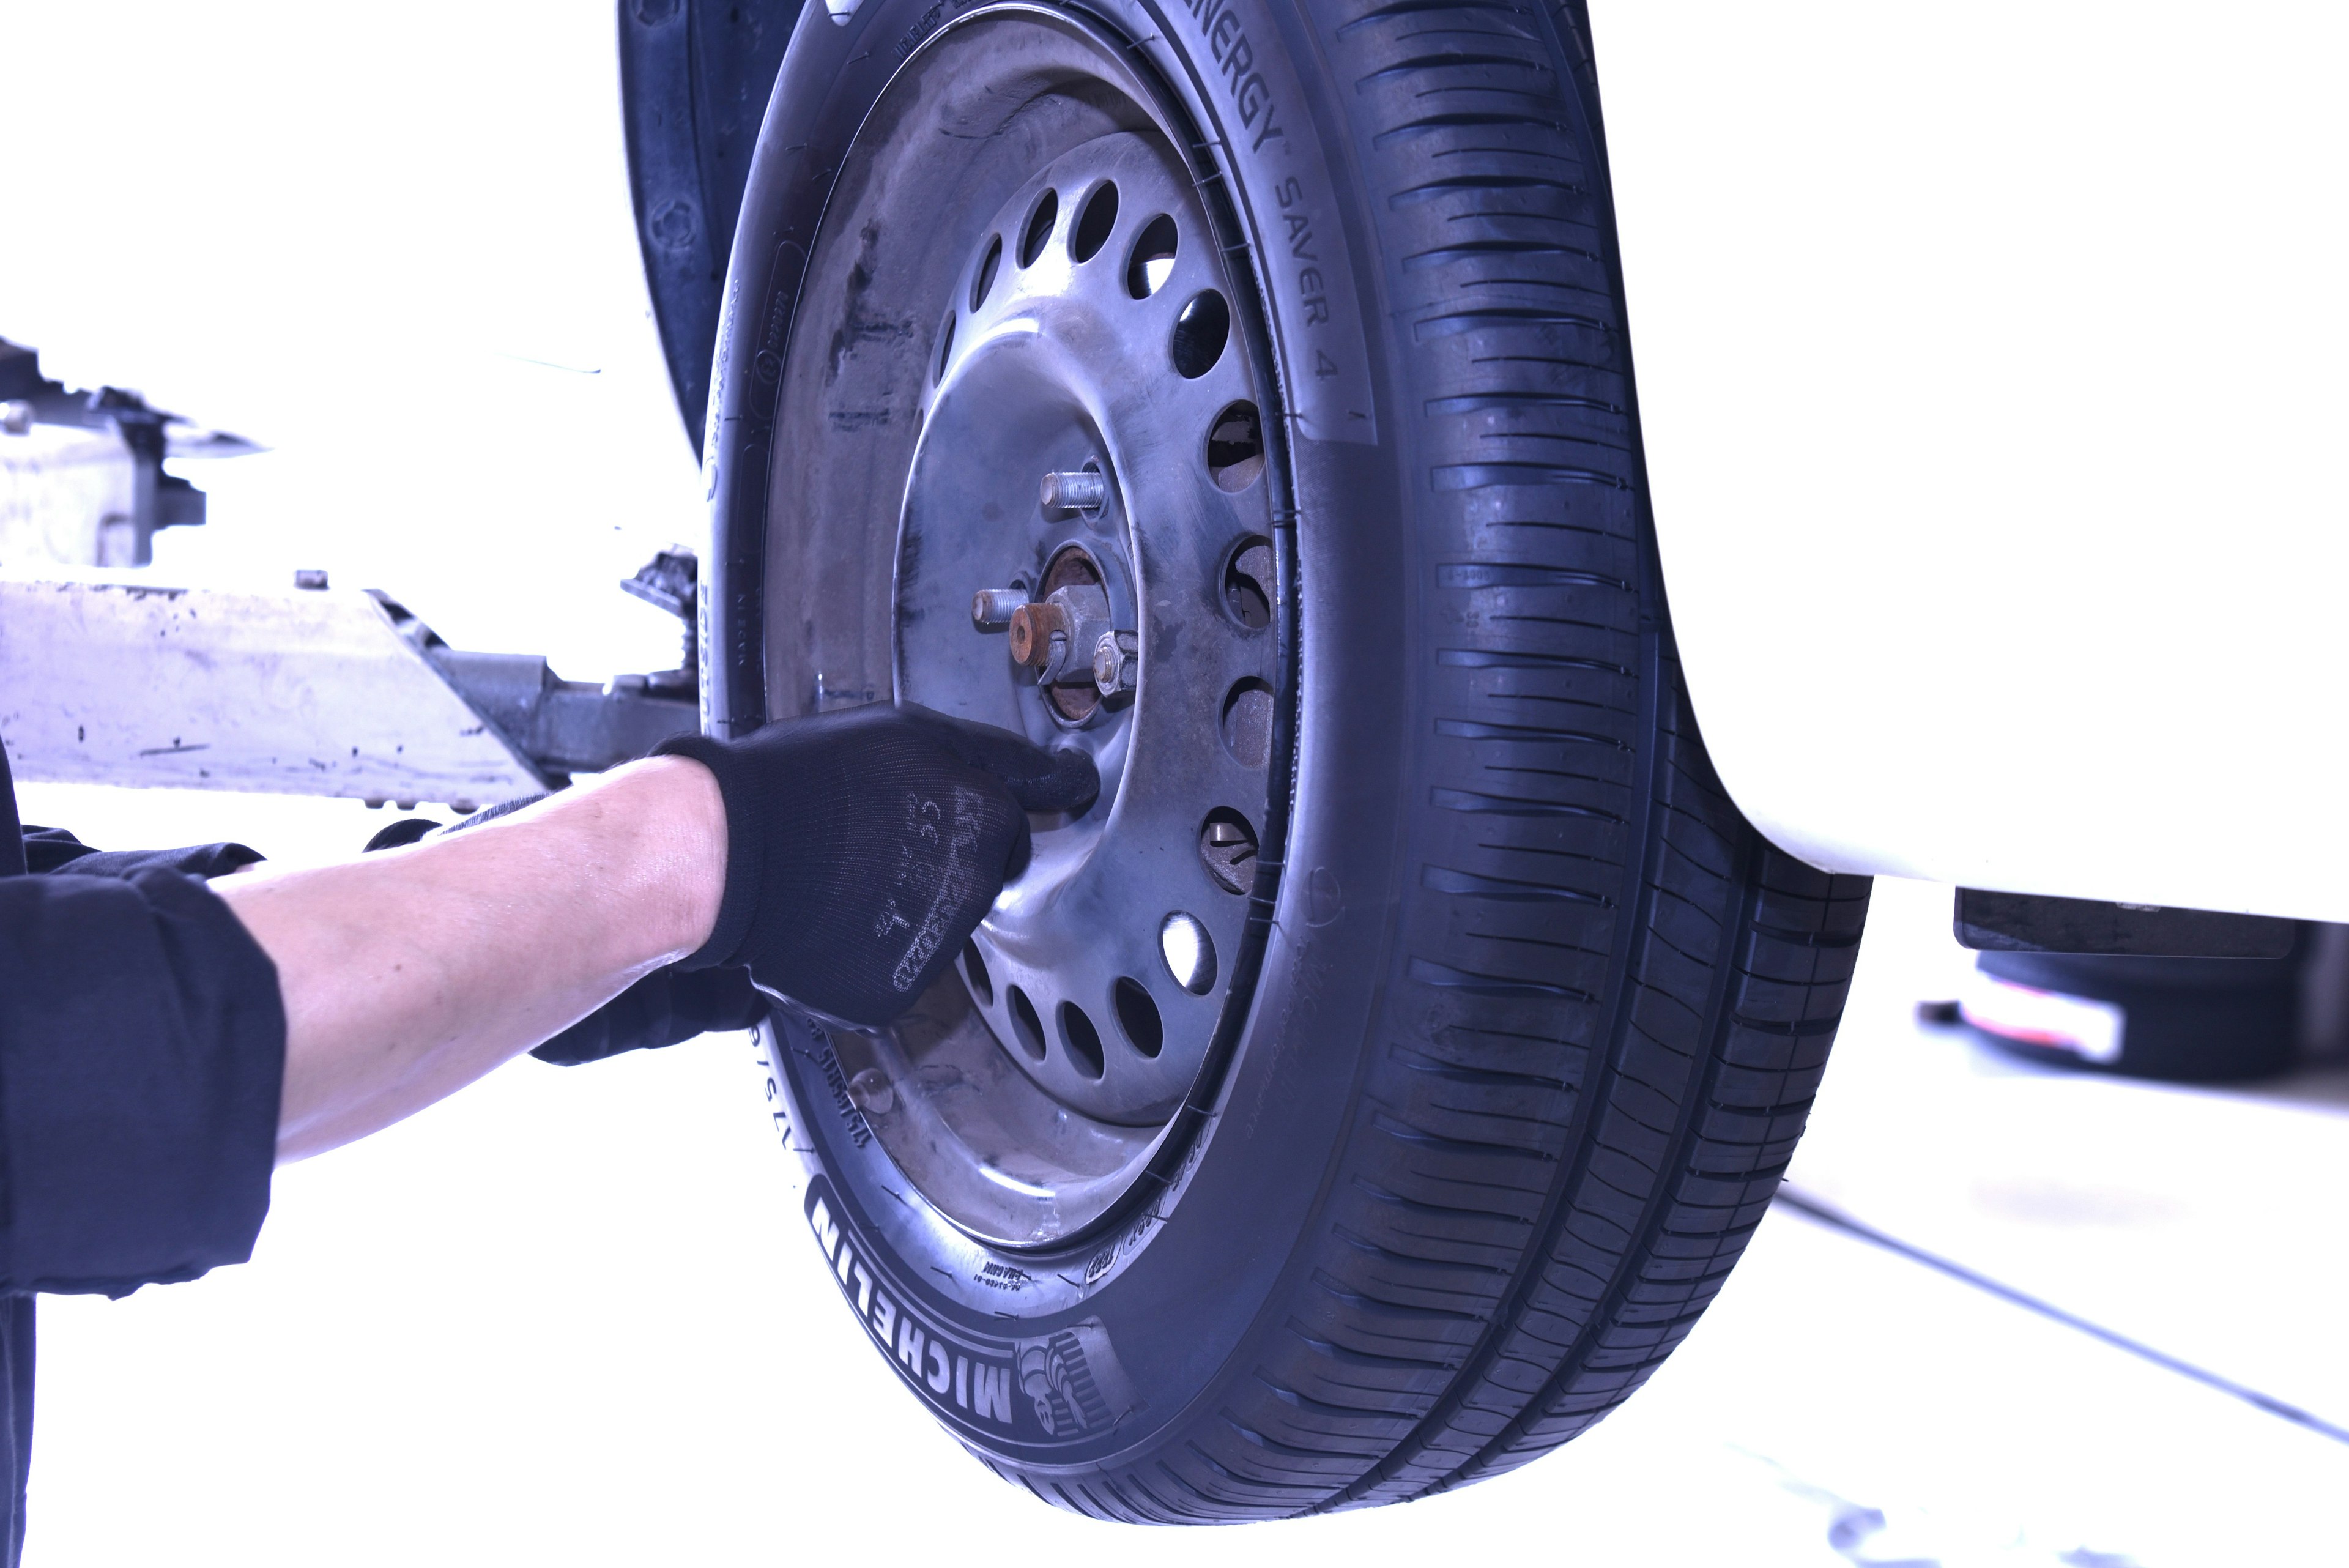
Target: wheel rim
1083,553
1060,376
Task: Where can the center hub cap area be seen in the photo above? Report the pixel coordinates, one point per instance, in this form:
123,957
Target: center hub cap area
1083,556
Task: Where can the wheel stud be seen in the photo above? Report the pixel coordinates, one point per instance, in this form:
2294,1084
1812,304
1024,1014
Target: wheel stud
1083,491
991,608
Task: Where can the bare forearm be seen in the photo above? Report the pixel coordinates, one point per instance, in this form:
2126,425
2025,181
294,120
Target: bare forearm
410,973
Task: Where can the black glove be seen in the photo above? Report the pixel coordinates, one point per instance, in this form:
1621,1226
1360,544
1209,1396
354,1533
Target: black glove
408,830
667,1005
864,847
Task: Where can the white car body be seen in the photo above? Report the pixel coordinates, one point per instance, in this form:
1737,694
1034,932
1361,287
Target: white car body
1995,370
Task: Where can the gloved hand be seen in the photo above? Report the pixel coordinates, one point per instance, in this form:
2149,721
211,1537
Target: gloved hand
864,847
667,1006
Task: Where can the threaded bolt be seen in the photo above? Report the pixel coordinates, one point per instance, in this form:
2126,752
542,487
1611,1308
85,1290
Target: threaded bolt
991,608
1086,489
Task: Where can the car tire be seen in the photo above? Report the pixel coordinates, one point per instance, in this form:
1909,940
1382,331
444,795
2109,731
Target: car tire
1516,1020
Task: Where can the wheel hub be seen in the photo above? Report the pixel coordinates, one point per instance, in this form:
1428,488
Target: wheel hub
1068,635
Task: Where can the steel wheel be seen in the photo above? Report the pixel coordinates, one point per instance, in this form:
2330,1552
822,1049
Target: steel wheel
1081,550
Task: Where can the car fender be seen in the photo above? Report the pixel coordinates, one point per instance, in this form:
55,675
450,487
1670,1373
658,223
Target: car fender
1989,371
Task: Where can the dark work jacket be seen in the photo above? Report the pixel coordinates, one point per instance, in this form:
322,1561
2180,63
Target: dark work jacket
142,1050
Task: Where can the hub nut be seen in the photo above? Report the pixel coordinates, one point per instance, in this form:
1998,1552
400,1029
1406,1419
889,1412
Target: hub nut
1033,628
1114,657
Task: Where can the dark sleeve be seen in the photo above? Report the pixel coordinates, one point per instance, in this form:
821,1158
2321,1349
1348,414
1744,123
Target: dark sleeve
46,848
54,849
143,1052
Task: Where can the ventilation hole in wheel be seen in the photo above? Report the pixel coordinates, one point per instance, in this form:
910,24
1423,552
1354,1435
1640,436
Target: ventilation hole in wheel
1152,261
1039,227
1094,222
1190,955
1200,334
945,349
1138,1016
1083,1040
1235,447
1026,1025
1247,723
1227,845
1248,584
983,281
973,969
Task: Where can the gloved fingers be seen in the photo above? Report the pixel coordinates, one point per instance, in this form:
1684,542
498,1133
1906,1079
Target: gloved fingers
1023,844
399,835
1061,780
866,844
410,830
1072,786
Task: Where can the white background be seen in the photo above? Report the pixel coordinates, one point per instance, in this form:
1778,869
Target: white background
570,1316
394,246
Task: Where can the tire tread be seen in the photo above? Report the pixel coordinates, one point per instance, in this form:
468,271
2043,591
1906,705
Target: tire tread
1542,1194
